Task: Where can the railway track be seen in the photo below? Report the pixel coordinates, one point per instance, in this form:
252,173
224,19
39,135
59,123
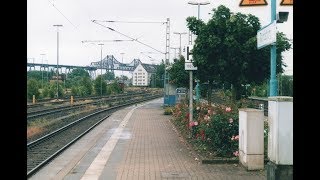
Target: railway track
46,148
32,114
54,101
43,150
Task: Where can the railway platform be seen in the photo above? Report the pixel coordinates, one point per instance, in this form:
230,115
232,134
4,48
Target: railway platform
138,142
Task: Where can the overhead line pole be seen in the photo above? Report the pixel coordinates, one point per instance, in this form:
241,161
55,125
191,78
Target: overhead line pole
58,25
167,53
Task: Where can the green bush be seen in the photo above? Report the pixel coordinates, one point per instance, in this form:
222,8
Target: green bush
221,132
168,111
215,127
45,91
33,89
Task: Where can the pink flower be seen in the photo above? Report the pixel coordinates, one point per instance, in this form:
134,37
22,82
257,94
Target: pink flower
228,109
230,120
236,153
237,137
209,111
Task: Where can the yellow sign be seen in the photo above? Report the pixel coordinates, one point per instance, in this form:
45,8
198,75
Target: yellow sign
287,2
253,3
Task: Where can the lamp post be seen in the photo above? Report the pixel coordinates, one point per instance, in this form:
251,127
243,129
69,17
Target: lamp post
190,72
198,4
47,70
180,40
174,51
42,70
101,69
122,67
58,25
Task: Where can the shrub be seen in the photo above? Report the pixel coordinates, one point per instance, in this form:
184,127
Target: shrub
33,89
222,132
214,126
168,111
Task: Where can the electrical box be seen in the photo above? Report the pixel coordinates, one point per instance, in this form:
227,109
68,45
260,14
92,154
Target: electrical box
251,138
280,135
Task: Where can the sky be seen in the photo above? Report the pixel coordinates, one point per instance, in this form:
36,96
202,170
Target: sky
130,18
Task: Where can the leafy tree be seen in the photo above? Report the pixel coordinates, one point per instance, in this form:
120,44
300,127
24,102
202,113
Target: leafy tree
225,50
52,90
75,77
98,86
260,90
285,85
75,91
114,88
45,91
37,75
109,76
78,72
159,75
32,88
85,86
123,77
178,75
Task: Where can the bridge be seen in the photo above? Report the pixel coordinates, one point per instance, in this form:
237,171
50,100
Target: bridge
108,63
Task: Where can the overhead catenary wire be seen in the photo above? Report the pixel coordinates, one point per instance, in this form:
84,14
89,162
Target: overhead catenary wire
115,40
131,21
134,39
62,14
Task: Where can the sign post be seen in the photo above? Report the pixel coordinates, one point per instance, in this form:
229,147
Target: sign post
188,66
267,35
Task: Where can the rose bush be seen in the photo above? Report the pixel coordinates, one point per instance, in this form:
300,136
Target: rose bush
216,126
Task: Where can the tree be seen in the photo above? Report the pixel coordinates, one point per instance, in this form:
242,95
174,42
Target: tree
97,86
32,88
178,75
109,76
36,75
78,72
285,85
159,75
53,90
85,86
75,77
114,88
225,50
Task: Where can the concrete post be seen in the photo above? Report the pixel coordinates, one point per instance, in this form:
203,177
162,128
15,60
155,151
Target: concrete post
71,100
33,99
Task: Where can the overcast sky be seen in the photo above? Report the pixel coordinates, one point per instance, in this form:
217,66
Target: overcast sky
76,17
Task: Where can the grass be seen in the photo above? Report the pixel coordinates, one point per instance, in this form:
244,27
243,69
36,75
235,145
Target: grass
31,131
